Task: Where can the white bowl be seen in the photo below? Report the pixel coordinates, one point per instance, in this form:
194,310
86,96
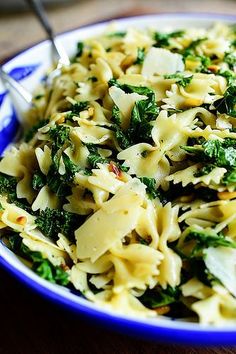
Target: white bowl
29,67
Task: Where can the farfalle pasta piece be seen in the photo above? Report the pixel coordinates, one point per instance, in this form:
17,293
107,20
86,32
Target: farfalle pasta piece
187,176
135,266
117,218
169,231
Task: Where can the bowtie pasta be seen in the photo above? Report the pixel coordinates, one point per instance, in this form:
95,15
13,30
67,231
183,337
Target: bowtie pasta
124,184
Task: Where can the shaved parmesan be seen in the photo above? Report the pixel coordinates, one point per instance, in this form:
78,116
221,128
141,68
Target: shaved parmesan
221,262
116,219
162,62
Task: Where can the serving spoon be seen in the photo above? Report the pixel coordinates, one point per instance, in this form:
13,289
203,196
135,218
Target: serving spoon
60,55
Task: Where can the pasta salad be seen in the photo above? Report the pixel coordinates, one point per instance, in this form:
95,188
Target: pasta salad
123,186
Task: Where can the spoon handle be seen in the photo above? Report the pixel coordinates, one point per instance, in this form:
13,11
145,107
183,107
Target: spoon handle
37,7
26,95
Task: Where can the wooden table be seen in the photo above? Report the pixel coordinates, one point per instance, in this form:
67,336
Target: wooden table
29,323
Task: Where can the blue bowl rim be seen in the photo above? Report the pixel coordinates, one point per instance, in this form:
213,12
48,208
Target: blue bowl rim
201,336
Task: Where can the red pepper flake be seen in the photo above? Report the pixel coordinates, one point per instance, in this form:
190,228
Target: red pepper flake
162,310
113,168
21,220
213,68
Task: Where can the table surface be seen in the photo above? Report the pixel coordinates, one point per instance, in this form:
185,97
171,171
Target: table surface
31,324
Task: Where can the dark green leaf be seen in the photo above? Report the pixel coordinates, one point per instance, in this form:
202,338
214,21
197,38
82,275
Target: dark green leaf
230,59
120,34
205,239
229,177
8,187
227,104
180,79
43,267
205,170
158,297
59,136
80,48
216,152
38,180
191,49
229,75
29,134
140,56
163,39
116,115
52,222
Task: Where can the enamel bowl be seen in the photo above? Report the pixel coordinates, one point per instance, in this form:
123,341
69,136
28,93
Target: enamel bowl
29,67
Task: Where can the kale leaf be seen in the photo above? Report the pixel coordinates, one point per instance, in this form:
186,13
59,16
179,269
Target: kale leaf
8,186
76,109
229,177
140,56
157,297
94,157
53,221
59,135
205,239
180,79
40,265
38,180
227,104
142,114
80,49
29,134
205,170
230,59
163,39
119,34
229,75
217,152
58,183
191,49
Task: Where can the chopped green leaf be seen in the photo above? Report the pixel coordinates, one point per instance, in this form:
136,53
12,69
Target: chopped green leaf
77,108
80,49
205,239
52,222
116,115
118,34
180,79
163,39
94,157
205,170
191,49
157,297
229,177
37,97
42,266
230,59
227,104
29,134
140,56
150,183
217,152
93,79
58,183
229,75
152,191
59,135
122,138
8,187
38,180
